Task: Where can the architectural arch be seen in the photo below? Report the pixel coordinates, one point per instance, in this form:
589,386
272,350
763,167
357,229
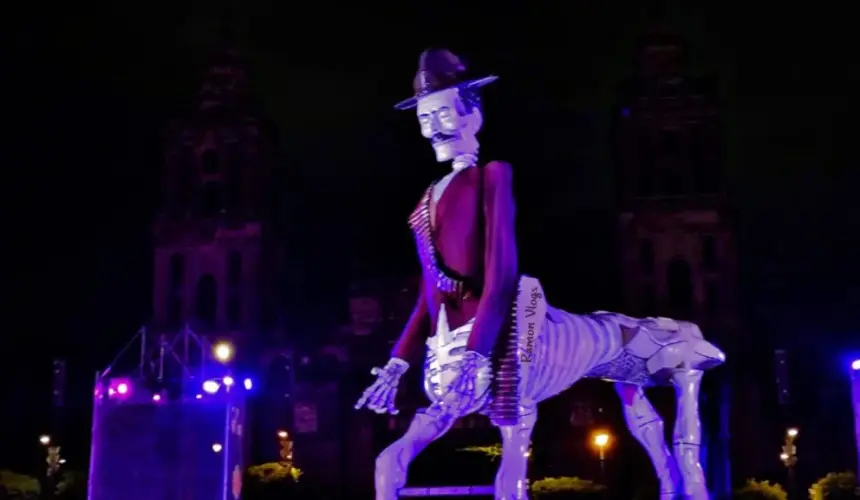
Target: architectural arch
206,300
177,271
679,284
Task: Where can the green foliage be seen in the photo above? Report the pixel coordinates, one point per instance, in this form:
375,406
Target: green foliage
274,472
760,490
19,486
835,486
494,452
272,480
72,485
567,487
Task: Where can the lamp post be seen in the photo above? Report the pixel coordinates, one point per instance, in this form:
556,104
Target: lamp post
789,457
855,402
601,442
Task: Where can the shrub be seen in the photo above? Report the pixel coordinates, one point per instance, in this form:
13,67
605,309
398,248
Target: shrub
835,486
18,486
271,480
493,452
566,487
760,490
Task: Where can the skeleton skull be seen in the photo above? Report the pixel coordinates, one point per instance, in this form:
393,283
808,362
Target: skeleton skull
450,123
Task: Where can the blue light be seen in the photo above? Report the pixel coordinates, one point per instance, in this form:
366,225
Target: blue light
248,384
855,365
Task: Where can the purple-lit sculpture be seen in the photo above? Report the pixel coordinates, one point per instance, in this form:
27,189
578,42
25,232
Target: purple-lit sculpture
494,345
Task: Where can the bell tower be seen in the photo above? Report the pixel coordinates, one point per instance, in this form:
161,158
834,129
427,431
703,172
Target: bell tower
215,252
676,240
677,246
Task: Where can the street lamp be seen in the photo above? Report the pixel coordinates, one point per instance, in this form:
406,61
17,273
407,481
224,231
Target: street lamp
789,456
601,442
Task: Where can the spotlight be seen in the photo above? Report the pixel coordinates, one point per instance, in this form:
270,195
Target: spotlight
248,384
855,365
216,447
45,439
211,386
122,389
227,381
156,397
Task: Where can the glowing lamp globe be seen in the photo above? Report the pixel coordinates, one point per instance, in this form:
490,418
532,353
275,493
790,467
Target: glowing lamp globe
601,439
211,386
223,352
855,365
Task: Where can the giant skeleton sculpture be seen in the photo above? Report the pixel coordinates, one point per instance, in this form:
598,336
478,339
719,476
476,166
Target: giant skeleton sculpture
494,345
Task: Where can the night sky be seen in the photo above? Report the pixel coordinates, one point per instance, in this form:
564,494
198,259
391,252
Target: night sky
92,90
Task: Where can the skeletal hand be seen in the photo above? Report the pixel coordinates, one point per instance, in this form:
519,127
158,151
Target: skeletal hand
462,393
380,396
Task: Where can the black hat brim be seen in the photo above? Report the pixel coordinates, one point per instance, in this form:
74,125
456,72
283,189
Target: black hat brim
468,85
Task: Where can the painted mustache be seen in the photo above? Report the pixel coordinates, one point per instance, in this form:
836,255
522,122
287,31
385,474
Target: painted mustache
443,138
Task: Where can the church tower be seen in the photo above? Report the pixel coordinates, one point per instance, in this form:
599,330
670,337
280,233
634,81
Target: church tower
676,242
677,247
216,256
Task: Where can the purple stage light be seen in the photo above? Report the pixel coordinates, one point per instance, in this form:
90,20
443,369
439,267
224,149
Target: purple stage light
855,365
211,386
156,397
122,389
228,381
248,384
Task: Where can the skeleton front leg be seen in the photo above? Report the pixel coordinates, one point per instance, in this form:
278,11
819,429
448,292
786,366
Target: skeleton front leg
687,437
393,463
646,425
512,477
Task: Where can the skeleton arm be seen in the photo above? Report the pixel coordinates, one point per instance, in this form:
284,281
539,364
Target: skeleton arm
381,395
500,259
416,331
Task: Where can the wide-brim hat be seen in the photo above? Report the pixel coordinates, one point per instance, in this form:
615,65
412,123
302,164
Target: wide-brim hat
440,69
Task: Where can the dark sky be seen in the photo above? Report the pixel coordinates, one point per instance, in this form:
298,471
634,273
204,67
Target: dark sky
92,89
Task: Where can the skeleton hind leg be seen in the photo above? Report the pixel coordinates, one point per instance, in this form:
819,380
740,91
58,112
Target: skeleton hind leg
512,477
687,436
646,425
393,463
